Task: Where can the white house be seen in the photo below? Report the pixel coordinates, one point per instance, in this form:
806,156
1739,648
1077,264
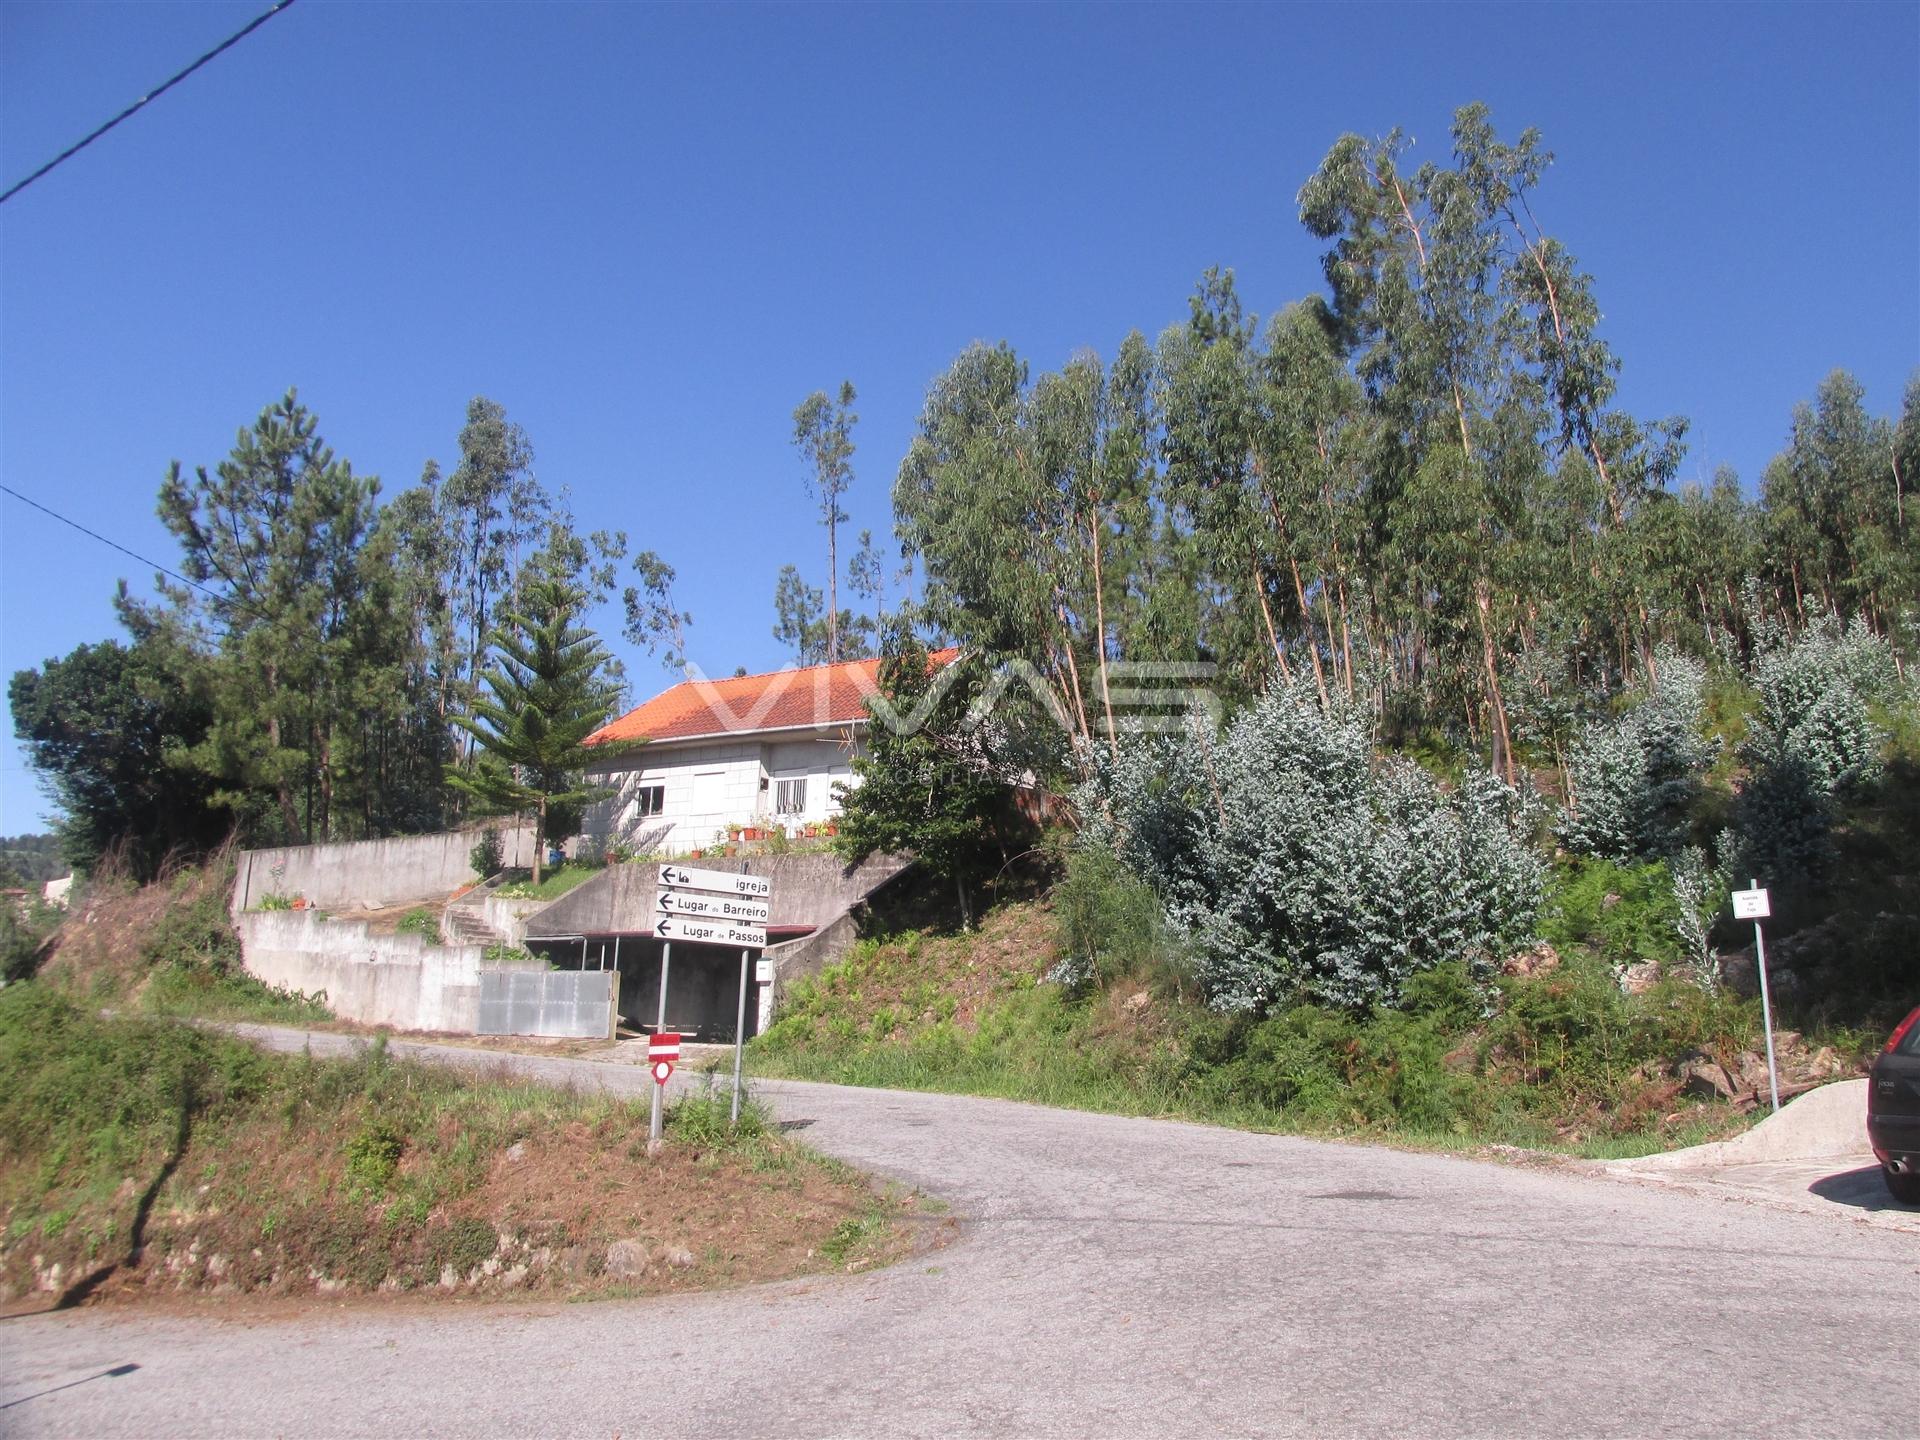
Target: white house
750,750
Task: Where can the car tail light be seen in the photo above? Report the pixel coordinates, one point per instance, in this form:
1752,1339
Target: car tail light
1900,1032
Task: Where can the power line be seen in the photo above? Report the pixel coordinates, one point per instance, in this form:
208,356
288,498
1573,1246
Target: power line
75,149
134,554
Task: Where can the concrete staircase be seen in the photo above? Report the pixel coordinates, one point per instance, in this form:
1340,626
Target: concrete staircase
464,922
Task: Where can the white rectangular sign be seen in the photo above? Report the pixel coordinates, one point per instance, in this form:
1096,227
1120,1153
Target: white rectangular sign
1750,905
710,932
763,972
683,877
717,907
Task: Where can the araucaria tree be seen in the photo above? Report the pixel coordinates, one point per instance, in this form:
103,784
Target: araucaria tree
550,690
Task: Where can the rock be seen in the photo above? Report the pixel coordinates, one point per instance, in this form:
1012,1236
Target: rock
1136,1002
449,1278
1703,1078
1737,973
679,1257
1609,900
1537,961
627,1259
1640,977
1750,1070
517,1151
217,1266
514,1278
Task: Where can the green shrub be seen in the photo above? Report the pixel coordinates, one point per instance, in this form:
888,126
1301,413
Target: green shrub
23,934
373,1154
1625,913
1110,924
420,921
485,855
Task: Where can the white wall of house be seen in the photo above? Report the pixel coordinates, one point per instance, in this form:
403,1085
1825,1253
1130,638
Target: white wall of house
676,796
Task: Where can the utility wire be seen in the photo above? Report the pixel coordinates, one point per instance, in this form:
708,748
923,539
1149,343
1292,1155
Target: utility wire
75,149
116,545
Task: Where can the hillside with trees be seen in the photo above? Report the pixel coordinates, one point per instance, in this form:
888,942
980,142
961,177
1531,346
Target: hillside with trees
1377,644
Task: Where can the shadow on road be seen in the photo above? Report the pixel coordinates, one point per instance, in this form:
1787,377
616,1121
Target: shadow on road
117,1370
1864,1189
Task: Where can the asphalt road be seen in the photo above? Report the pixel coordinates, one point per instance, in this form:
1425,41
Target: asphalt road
1112,1277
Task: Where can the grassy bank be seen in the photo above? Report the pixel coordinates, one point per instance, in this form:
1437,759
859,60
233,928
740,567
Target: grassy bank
167,948
139,1155
1557,1059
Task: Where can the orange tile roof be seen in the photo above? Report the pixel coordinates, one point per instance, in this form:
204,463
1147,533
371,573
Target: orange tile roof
747,704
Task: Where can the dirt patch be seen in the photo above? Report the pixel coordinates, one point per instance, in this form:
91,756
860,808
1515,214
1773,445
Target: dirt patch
385,919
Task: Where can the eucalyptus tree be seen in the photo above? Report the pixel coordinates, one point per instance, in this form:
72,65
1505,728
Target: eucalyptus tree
1473,334
1835,533
655,620
1210,396
1030,507
969,502
823,433
494,508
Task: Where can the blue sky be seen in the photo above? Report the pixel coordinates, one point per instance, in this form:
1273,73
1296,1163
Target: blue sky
649,232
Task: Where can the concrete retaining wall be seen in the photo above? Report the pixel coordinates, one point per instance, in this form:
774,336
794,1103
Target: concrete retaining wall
396,980
508,917
365,874
808,891
809,955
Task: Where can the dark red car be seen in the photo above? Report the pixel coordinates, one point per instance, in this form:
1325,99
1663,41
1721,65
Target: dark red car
1893,1110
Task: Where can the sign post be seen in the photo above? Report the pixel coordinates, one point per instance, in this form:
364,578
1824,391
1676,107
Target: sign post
1751,904
713,907
739,1039
658,1121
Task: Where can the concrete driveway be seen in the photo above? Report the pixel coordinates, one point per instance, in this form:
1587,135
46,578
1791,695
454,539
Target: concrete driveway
1112,1277
1812,1157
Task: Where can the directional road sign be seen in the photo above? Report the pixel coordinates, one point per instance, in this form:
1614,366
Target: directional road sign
710,932
714,907
682,877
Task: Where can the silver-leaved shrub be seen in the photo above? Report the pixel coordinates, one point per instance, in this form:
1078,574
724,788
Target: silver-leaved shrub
1813,746
1633,779
1301,865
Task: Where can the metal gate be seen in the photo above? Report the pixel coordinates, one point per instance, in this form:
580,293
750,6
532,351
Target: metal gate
576,1004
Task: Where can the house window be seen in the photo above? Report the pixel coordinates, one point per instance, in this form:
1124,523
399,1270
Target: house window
790,797
649,800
